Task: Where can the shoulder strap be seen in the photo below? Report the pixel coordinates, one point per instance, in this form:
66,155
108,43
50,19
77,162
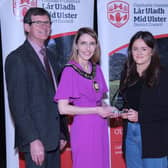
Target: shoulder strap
83,73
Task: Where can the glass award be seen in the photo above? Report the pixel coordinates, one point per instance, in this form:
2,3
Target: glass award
118,101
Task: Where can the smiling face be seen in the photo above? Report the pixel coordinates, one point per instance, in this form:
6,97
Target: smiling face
86,46
141,53
38,32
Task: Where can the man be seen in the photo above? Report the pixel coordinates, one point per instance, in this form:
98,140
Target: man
30,93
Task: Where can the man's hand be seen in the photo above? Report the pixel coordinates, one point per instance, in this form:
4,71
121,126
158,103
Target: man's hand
62,144
37,152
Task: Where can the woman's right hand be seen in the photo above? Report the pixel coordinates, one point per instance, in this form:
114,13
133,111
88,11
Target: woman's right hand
131,115
107,111
124,115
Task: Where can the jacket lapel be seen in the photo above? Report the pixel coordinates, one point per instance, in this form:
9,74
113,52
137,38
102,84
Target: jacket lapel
35,59
53,65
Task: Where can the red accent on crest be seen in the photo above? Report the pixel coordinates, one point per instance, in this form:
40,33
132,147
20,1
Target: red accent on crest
24,1
20,7
118,13
24,10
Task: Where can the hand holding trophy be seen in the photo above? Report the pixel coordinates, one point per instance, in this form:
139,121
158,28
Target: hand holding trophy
118,102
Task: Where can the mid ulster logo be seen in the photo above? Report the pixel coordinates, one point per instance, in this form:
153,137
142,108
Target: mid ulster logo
118,13
20,7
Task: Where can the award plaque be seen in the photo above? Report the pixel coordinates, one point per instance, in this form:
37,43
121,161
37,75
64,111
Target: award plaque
118,101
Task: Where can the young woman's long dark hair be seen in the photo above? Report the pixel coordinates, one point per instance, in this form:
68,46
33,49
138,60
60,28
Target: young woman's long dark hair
151,74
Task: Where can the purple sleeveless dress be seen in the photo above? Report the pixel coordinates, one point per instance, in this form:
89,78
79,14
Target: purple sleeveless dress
89,133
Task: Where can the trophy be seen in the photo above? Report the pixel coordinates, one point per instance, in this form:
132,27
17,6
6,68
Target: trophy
118,101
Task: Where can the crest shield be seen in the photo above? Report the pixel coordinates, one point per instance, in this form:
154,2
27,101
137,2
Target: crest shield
20,7
118,13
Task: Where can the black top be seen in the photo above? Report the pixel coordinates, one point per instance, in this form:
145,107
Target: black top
132,95
152,105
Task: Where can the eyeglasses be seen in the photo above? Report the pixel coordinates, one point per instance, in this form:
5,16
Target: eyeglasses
38,22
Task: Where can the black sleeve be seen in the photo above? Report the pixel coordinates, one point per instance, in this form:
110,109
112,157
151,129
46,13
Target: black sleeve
64,127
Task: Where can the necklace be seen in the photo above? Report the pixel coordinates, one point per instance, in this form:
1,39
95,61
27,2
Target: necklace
85,68
89,76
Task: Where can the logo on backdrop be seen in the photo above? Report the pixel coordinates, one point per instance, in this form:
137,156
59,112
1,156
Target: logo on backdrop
118,13
20,7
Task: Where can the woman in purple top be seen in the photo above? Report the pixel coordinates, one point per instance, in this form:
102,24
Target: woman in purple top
80,93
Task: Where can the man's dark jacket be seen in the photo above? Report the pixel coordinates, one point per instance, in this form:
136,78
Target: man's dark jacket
30,95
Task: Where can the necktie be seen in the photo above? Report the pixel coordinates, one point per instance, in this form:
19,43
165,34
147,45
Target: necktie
47,65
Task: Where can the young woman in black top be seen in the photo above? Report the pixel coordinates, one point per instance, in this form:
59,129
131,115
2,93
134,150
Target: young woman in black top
144,87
